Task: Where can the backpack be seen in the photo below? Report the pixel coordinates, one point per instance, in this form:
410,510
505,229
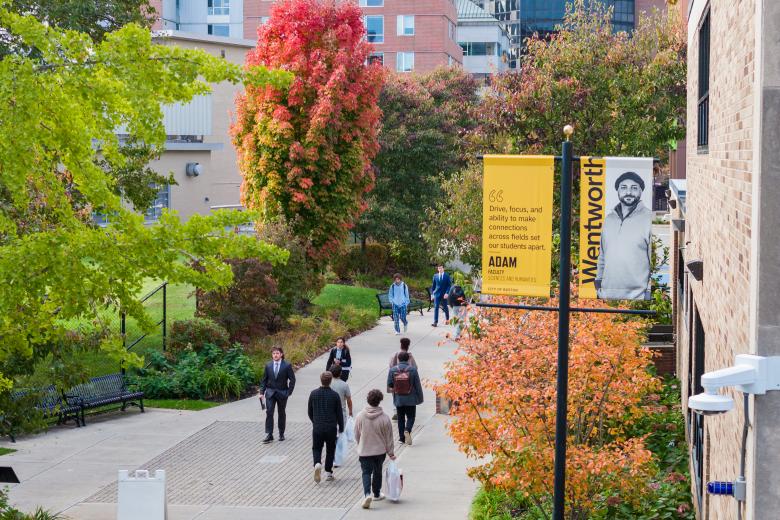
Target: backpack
402,383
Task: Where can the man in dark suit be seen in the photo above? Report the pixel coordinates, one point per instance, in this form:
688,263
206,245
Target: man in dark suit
439,290
277,385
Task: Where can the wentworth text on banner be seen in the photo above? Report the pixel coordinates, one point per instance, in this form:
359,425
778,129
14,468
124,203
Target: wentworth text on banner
615,227
517,206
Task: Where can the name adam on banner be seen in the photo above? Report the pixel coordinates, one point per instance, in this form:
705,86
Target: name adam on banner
592,201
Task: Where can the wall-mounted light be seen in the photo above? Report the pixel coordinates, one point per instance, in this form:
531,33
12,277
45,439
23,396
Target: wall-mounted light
193,169
696,268
672,203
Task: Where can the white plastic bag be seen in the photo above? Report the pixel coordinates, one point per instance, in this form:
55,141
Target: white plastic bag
342,446
349,431
393,481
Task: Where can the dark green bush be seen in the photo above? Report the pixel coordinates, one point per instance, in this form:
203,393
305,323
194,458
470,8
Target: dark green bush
19,416
210,373
194,333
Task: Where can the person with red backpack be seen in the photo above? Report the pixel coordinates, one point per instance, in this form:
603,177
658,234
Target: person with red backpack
404,381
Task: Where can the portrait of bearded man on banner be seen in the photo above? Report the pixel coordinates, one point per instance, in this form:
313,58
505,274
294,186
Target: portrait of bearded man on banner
625,254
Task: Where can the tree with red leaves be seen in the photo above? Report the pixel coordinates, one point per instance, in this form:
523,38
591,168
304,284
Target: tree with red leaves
305,154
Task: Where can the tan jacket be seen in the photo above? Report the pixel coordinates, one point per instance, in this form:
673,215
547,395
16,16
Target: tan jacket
374,432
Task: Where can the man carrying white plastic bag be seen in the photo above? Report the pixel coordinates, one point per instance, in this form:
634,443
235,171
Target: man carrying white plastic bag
374,437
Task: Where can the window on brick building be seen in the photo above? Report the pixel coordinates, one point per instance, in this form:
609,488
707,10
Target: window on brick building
405,25
404,61
703,109
452,31
376,57
696,427
375,29
372,3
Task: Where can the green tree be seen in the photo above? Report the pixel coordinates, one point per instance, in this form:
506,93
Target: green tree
59,109
306,155
624,95
425,118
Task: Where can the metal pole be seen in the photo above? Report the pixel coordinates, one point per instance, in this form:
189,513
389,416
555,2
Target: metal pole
559,502
165,315
124,342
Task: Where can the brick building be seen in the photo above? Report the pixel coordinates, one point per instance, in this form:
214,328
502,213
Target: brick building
727,238
409,35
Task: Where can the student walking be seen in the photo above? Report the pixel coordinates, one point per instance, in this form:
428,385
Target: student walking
327,422
341,388
439,290
398,294
340,355
457,299
404,381
394,361
276,386
374,437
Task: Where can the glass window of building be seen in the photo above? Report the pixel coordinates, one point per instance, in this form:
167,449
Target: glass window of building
480,48
219,29
703,108
219,7
376,57
404,62
162,201
375,29
405,25
372,3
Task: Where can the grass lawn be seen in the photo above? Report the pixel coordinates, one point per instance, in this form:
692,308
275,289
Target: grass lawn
180,404
6,451
336,296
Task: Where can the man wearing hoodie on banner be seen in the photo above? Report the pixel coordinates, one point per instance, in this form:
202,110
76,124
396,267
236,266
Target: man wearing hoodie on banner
624,257
374,437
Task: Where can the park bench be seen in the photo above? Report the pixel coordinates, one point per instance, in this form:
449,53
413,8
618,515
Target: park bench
385,305
53,404
105,390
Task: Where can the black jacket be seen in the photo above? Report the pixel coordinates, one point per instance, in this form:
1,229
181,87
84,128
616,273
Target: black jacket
282,385
325,410
346,359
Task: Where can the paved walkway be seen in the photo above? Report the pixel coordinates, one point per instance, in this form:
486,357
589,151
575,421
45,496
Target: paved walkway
217,468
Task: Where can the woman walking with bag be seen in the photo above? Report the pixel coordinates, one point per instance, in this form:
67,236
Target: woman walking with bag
339,355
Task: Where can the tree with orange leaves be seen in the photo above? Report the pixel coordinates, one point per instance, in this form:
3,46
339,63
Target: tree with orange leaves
503,391
305,153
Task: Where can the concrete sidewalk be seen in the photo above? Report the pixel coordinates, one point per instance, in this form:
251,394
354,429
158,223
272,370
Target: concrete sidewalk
217,467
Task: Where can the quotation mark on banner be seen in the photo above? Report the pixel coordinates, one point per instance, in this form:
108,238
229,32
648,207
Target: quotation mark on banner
496,196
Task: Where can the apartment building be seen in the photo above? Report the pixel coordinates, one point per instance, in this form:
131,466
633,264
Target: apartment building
483,39
727,236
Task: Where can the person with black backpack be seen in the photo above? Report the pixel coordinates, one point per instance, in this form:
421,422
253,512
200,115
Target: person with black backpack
457,299
404,381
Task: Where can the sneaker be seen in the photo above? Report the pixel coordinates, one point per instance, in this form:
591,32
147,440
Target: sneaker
397,333
378,498
433,324
329,476
317,472
366,502
408,437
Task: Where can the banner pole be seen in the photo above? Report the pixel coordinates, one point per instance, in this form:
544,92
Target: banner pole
559,501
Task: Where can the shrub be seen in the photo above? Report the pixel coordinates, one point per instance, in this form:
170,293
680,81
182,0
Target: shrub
250,306
194,333
408,259
19,416
357,260
209,373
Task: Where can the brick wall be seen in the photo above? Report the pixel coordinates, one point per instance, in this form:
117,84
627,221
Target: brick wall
718,220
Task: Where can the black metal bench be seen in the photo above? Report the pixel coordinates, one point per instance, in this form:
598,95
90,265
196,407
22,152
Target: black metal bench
385,305
53,404
105,390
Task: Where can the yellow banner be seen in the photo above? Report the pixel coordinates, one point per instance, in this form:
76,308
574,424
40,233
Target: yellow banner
593,173
517,206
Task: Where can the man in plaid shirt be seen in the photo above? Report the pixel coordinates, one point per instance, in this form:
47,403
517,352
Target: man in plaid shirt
327,419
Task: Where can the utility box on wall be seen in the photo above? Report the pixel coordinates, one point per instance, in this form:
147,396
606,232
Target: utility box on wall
141,497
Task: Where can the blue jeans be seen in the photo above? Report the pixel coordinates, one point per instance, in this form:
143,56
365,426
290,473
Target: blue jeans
399,314
437,301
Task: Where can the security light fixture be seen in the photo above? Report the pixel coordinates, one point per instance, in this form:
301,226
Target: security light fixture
696,268
193,169
750,374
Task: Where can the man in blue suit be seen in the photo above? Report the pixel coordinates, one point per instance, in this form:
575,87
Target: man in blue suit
439,290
